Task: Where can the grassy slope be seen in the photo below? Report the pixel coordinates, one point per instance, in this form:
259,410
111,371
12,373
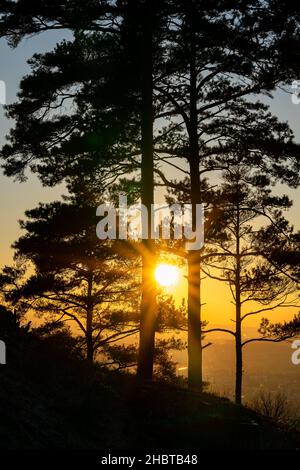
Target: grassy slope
50,400
73,409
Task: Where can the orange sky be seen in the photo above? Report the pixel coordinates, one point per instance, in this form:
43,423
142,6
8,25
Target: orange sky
218,309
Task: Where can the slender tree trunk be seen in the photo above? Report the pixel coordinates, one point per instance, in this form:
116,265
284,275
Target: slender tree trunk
89,349
194,270
89,323
238,324
148,301
194,300
194,323
239,363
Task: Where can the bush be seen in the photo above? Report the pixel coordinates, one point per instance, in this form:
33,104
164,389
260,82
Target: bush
275,406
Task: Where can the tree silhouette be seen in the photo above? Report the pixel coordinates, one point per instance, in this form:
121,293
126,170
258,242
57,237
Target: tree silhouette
245,133
242,261
115,39
78,277
221,54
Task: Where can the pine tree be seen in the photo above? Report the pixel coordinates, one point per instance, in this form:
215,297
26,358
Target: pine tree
78,277
240,259
111,130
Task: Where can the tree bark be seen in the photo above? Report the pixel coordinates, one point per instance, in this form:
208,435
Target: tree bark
148,300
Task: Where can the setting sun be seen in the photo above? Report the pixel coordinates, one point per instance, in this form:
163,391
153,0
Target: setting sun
166,275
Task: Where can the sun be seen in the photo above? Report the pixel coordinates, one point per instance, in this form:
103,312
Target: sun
167,274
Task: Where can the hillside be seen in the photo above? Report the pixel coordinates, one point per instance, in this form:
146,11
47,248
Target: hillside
49,400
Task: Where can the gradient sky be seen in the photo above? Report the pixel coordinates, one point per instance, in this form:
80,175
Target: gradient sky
17,197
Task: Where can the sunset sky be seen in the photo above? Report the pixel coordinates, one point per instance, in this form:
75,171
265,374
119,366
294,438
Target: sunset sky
17,197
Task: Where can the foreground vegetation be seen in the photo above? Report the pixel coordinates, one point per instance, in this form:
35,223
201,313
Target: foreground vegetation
51,399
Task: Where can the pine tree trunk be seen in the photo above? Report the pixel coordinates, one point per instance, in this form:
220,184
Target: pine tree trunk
238,324
239,366
194,269
194,323
89,349
238,338
89,323
194,300
148,301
